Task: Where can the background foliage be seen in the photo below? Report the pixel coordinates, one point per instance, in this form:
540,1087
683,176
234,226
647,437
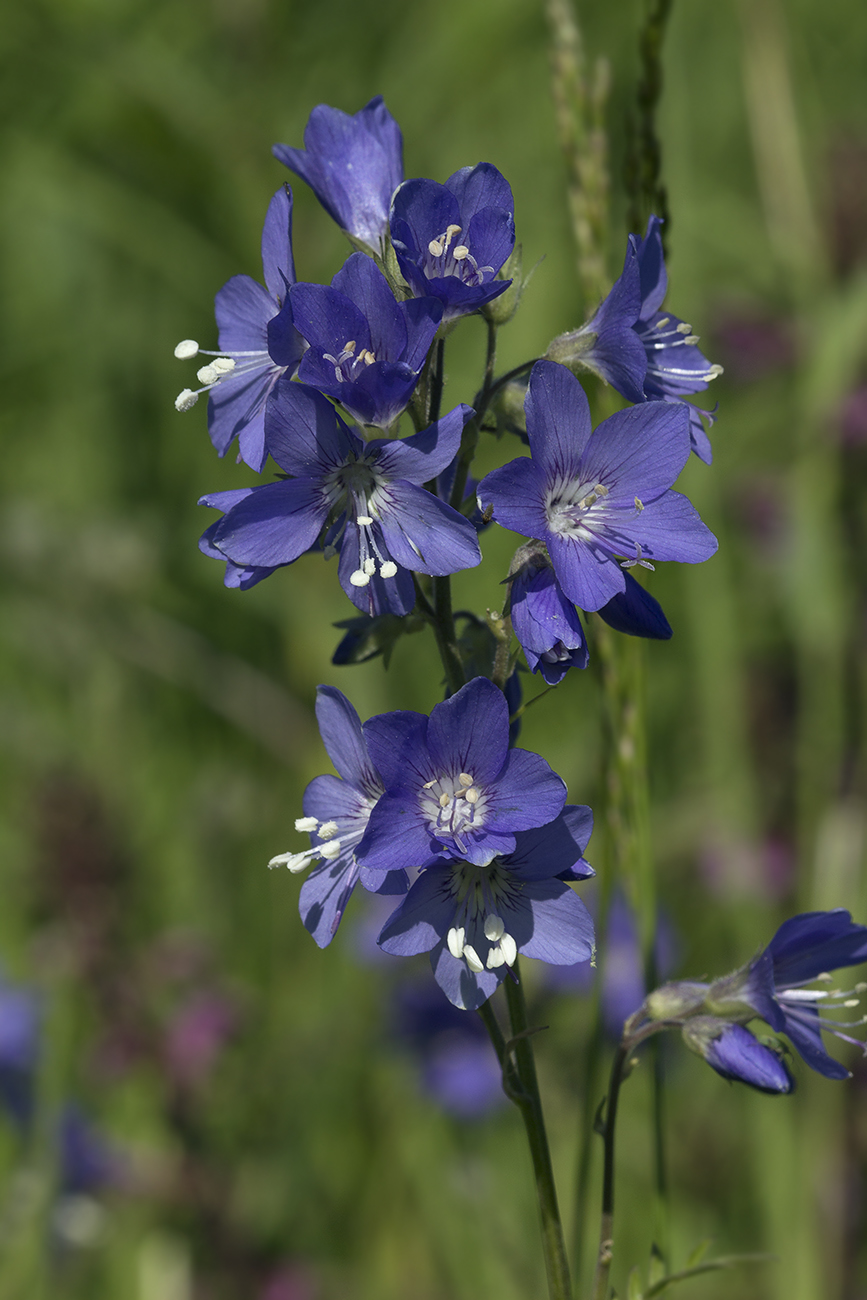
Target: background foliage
156,731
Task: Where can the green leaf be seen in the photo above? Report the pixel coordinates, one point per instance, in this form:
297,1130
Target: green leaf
710,1266
656,1269
698,1253
634,1289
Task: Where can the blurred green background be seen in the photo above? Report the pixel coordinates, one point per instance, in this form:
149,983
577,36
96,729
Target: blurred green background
157,731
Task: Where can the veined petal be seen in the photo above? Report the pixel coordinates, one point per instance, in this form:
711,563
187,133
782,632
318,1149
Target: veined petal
424,455
651,265
562,929
423,534
464,988
327,318
806,1035
340,728
469,732
324,895
807,945
639,451
243,309
527,793
278,263
555,849
558,421
515,492
670,529
424,916
274,524
585,571
636,613
361,281
396,744
396,839
482,186
303,432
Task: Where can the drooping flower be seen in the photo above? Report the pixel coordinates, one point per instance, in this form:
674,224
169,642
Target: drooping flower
804,950
452,239
453,786
545,622
353,164
336,813
737,1054
475,918
646,354
366,350
258,343
599,500
364,497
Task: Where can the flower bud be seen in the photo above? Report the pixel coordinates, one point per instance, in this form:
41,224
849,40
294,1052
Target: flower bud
501,310
675,1001
737,1054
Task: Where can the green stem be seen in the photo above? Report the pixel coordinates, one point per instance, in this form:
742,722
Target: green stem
436,383
444,630
529,1103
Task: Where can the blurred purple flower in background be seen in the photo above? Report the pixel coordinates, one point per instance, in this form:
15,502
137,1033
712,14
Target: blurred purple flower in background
458,1066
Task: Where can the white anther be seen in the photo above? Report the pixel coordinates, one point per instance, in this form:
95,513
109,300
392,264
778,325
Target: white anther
714,372
306,824
472,795
495,958
460,252
465,779
186,348
661,324
509,949
215,370
691,340
367,357
369,567
364,520
451,231
852,1002
330,851
601,490
860,988
826,977
455,940
294,861
359,578
435,248
328,830
428,785
471,957
445,800
494,927
186,399
388,570
683,328
349,347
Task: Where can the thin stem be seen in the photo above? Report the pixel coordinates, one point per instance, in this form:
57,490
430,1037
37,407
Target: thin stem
436,383
444,630
530,1105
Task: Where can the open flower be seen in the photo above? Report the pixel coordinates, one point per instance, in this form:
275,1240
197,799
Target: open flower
599,500
258,343
452,239
336,812
474,919
646,354
353,164
364,498
453,786
366,350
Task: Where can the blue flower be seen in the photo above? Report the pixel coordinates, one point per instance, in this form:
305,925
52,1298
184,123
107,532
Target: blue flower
452,239
258,343
600,501
366,350
353,165
647,355
475,918
545,622
364,498
453,785
803,951
737,1054
336,813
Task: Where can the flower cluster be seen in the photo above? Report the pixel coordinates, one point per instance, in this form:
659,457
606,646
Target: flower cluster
772,987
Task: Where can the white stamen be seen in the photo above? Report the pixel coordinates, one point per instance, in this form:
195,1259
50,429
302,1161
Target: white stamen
328,830
601,490
451,231
691,340
359,578
186,348
494,927
388,570
186,399
471,957
349,347
682,328
509,949
363,520
465,779
444,800
369,567
455,940
330,851
460,252
472,795
215,370
661,324
306,824
294,861
495,958
714,372
435,248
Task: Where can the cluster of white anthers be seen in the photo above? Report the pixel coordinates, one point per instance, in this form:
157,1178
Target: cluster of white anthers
454,260
659,338
503,950
223,365
332,847
453,806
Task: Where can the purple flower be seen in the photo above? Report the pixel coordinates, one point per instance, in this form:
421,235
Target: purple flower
19,1050
452,239
600,501
803,951
647,355
258,343
353,165
453,785
545,622
459,1068
364,498
737,1054
366,350
474,919
336,813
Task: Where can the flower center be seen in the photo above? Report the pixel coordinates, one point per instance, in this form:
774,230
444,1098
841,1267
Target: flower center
352,490
569,507
446,257
348,365
478,933
454,807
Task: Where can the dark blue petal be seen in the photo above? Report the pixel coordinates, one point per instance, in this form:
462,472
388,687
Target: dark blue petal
804,1030
324,895
273,525
343,738
424,916
303,433
424,534
463,988
736,1054
558,421
636,613
651,265
469,732
278,263
480,187
424,455
815,942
